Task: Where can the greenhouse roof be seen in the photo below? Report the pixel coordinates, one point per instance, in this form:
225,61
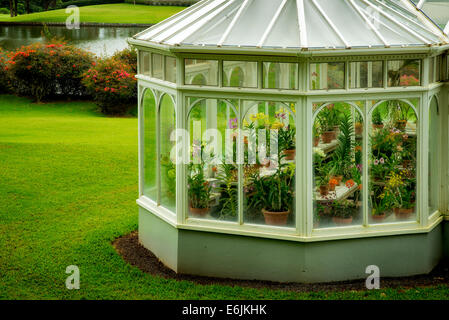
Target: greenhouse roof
297,24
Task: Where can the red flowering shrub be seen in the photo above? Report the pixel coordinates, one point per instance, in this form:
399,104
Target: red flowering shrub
43,70
128,56
4,79
112,84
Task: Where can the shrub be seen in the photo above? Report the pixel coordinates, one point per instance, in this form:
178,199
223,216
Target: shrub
113,85
4,80
43,70
4,11
127,56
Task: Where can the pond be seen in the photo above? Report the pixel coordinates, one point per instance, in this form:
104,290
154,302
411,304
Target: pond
99,40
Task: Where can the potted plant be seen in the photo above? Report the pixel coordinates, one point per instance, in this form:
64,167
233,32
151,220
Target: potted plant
332,184
377,119
199,190
274,194
328,119
286,142
343,212
323,178
407,205
316,134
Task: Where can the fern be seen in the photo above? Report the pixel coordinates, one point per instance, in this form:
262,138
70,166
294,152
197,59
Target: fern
342,156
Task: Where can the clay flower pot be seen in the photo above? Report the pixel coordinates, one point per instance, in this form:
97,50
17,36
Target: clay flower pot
331,187
402,213
290,154
342,221
338,178
328,136
275,218
198,212
378,126
324,190
378,217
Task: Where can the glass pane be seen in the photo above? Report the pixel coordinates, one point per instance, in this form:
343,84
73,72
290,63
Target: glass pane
368,74
337,166
168,168
201,72
439,62
144,63
434,133
392,163
149,147
280,75
158,71
327,75
170,69
269,151
404,73
240,74
212,174
432,70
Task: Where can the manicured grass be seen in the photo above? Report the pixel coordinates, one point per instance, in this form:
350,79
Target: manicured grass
105,13
68,188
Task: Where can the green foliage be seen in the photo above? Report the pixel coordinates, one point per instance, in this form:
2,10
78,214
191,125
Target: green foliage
287,138
4,75
83,3
274,192
229,192
45,70
344,209
4,11
377,117
199,190
342,156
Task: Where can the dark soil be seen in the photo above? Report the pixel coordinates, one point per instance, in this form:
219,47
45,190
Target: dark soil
135,254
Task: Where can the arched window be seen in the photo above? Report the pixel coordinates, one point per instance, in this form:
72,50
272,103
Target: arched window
392,162
337,165
434,163
149,148
167,120
212,188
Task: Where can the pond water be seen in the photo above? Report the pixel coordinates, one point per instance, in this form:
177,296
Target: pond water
99,40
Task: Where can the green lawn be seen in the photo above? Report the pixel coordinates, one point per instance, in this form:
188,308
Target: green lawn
68,188
105,13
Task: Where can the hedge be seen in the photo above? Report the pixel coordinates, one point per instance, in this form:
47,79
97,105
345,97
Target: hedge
182,3
83,3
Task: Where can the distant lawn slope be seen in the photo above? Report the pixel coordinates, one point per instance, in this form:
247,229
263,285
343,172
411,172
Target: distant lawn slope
105,13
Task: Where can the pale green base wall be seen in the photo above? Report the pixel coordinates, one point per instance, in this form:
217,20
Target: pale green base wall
240,257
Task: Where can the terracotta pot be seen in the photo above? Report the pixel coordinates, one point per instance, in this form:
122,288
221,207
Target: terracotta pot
275,218
378,217
316,141
358,128
198,212
324,190
402,213
331,187
342,221
338,178
328,136
290,154
401,124
378,126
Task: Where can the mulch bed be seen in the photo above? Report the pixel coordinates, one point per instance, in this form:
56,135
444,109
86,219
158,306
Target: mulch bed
135,254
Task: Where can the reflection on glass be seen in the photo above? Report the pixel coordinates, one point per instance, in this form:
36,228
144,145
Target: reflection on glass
392,163
168,168
157,66
149,148
327,75
144,63
201,72
404,73
241,74
269,151
434,133
212,187
170,69
337,166
367,74
280,75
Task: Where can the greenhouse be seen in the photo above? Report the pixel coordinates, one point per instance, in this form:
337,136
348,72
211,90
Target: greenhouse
294,140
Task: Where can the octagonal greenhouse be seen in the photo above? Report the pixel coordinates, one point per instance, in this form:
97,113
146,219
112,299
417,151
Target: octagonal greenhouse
294,140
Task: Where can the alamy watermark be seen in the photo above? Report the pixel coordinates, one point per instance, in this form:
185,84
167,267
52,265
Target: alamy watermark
373,280
73,280
73,20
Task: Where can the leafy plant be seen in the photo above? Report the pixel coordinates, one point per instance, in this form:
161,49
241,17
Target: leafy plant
342,156
328,118
199,189
376,117
274,192
229,192
287,138
344,208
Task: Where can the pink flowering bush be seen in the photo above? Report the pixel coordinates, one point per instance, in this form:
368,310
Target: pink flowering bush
112,84
47,70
